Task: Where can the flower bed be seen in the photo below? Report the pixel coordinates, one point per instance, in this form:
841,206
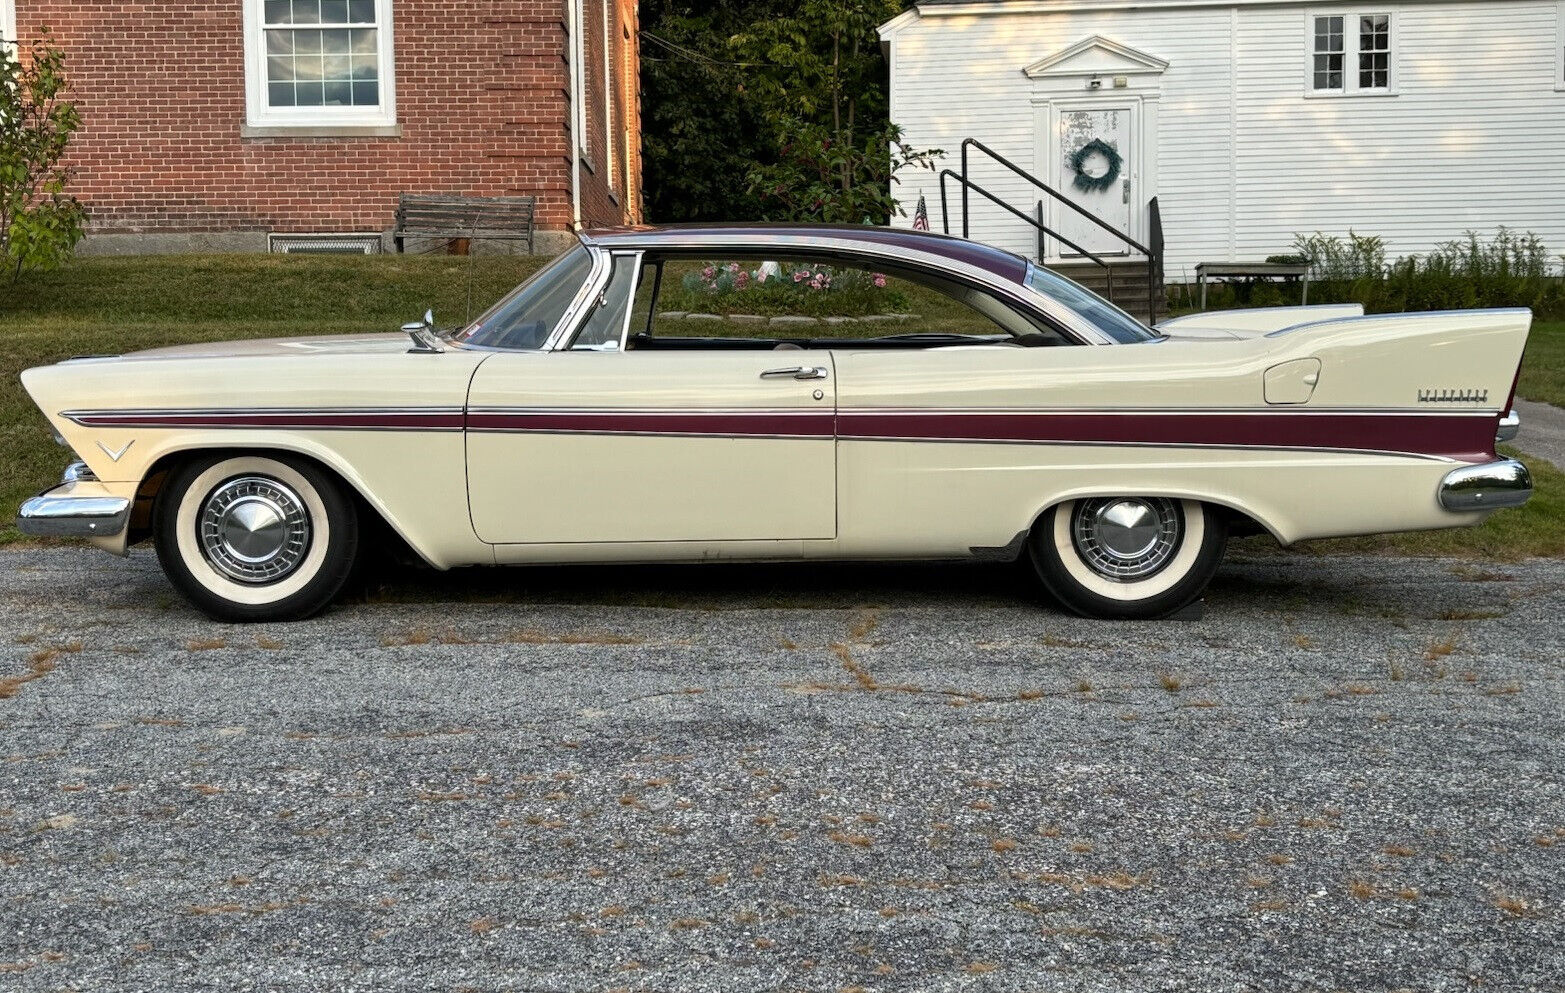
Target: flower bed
773,288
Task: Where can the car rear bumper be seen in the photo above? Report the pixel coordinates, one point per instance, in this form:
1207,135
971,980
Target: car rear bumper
1510,427
1486,486
61,513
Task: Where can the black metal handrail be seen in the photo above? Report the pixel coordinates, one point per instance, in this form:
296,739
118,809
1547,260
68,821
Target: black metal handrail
1153,254
1155,260
1045,187
945,222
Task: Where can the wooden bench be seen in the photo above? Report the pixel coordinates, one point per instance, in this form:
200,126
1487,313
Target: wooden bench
447,216
1288,271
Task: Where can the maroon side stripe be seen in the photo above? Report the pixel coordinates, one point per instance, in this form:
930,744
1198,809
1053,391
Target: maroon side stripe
1466,438
416,420
771,423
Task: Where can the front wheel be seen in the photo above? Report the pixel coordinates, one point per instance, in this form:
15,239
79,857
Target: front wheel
1127,557
255,537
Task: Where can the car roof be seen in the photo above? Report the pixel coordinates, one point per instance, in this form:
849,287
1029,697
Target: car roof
865,238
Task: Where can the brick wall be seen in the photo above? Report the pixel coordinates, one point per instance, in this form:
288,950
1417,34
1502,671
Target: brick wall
482,96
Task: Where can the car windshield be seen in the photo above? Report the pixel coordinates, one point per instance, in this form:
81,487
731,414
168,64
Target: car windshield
524,318
1094,309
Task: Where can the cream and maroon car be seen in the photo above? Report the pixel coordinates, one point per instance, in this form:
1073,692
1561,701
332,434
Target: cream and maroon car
579,421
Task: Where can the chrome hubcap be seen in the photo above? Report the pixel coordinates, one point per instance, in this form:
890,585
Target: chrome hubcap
254,529
1126,538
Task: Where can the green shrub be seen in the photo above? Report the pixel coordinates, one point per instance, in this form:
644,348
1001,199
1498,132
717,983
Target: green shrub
40,223
1507,270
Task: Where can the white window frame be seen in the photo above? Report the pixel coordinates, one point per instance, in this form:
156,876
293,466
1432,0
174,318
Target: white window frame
1559,49
609,151
261,116
8,20
1350,52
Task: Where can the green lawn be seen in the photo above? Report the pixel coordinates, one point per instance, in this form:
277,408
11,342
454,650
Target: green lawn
120,305
1543,367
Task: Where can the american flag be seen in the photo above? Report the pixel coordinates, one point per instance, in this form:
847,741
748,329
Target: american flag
921,215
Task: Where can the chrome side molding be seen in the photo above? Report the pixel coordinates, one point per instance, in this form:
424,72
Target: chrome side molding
1486,486
62,516
1510,427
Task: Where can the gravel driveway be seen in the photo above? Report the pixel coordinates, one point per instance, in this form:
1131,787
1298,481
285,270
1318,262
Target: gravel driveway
1346,776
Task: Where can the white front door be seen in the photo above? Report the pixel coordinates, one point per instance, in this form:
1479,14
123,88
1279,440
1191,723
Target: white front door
1094,167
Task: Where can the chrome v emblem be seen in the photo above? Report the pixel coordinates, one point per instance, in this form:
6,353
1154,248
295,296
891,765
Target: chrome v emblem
112,454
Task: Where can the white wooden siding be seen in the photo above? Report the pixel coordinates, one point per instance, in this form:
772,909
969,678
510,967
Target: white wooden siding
1474,138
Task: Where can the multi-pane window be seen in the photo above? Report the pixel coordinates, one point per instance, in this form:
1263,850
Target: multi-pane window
1374,51
315,63
1329,53
1350,53
322,53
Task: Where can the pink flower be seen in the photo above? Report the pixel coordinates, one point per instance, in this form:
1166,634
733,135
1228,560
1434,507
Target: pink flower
880,280
733,267
741,279
800,276
708,273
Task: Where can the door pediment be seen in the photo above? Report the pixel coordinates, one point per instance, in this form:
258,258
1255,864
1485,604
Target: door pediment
1096,56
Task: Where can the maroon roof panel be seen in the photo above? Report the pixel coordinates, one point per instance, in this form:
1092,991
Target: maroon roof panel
1002,263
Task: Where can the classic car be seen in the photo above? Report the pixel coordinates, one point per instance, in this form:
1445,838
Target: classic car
582,420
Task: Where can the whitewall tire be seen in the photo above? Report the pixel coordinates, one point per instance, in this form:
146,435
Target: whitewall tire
1130,557
255,537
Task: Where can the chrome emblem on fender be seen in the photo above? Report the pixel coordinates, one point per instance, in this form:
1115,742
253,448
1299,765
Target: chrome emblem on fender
112,454
1453,396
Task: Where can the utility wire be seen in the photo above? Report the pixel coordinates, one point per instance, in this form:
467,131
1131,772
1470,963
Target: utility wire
691,55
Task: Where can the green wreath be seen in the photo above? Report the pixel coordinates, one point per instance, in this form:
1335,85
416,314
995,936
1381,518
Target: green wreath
1097,146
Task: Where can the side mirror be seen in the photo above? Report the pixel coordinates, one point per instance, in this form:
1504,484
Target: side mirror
423,334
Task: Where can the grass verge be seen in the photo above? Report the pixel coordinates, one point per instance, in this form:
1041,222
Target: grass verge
1543,366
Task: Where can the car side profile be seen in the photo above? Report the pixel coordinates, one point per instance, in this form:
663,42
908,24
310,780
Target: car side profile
582,420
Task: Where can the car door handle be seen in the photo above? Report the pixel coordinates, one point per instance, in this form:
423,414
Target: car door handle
796,372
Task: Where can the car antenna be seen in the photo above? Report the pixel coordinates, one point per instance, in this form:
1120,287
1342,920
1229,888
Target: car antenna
467,319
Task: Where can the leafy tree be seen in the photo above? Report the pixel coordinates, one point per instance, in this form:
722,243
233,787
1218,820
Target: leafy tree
768,108
702,127
820,78
40,223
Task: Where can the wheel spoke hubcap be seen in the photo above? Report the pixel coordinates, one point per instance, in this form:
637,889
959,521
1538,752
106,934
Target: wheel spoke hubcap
254,529
1126,538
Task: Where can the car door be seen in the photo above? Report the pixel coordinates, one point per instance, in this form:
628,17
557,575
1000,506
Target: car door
599,444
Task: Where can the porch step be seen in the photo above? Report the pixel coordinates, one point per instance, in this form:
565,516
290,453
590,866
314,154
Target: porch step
1127,290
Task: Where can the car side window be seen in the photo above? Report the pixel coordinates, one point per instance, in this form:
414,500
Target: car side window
605,326
750,302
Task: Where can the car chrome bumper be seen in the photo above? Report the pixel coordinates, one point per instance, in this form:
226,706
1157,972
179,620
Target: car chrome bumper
60,514
1510,427
1486,486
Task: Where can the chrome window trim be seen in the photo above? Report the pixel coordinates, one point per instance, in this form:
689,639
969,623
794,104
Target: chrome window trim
568,339
1015,295
597,280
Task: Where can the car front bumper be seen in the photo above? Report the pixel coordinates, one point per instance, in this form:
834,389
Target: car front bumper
64,512
1486,486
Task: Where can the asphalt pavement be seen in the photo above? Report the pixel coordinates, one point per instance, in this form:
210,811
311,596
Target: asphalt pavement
1345,776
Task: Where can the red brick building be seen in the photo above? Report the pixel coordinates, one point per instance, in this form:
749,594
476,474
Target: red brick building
212,126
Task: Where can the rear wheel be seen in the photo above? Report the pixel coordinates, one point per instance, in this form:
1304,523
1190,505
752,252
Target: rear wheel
255,537
1129,557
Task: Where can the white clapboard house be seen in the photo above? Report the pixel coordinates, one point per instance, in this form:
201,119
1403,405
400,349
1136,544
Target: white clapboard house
1248,121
